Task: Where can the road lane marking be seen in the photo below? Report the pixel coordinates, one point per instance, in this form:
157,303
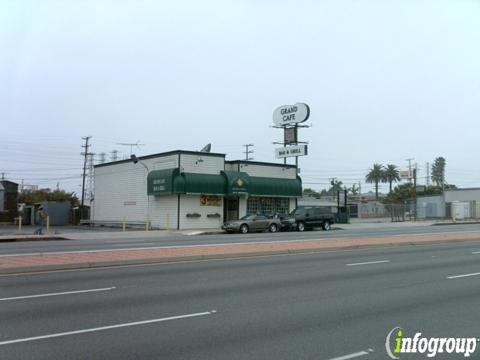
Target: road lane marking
147,243
462,276
475,252
102,328
369,263
351,356
449,232
57,294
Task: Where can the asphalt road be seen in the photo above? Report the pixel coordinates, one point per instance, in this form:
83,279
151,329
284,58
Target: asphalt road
332,305
103,243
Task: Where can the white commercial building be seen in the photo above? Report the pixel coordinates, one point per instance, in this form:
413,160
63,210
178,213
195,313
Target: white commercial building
191,190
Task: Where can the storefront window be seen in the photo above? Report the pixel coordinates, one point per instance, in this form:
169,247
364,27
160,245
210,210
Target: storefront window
267,205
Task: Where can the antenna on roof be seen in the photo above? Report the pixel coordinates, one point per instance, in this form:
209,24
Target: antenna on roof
137,144
206,148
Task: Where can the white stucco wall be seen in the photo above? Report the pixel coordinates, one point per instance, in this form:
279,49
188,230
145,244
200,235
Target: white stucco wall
163,211
201,164
462,195
191,204
121,192
269,171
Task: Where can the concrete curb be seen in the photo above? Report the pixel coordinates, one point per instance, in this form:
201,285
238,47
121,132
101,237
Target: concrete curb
195,258
457,223
31,238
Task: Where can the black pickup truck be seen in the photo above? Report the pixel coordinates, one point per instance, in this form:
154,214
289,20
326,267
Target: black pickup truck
309,217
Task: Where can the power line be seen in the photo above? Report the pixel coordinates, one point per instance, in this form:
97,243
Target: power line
247,152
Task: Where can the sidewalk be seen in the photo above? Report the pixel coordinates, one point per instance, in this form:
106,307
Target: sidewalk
11,233
11,264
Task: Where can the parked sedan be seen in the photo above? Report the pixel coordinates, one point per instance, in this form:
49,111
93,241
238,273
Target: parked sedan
252,223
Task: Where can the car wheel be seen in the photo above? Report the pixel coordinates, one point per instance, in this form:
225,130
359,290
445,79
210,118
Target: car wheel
301,226
272,228
244,228
326,226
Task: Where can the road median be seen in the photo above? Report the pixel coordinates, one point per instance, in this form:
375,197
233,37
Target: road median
18,263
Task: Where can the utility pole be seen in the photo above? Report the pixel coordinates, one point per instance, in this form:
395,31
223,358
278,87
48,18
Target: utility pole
428,174
3,176
85,154
247,152
102,158
415,192
410,169
114,156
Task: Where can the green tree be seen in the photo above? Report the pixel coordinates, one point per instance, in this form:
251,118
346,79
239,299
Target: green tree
391,175
41,195
337,186
400,194
311,192
375,176
354,190
438,171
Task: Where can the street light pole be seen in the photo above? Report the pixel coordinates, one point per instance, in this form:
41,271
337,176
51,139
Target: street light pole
137,160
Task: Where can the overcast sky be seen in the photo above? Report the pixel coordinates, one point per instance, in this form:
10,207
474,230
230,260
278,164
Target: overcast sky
385,81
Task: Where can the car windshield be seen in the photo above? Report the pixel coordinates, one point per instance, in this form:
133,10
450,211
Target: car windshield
248,217
297,212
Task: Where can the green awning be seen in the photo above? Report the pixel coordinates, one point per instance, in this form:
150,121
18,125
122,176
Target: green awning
228,183
165,182
205,184
237,182
263,186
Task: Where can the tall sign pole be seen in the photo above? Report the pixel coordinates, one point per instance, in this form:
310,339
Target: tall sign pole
289,118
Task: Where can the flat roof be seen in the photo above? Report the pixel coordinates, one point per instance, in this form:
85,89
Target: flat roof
168,153
187,152
259,163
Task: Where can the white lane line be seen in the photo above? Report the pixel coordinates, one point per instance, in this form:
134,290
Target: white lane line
150,243
462,276
439,233
369,263
475,252
57,294
351,356
102,328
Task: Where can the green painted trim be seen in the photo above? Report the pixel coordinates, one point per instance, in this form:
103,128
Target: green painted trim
165,182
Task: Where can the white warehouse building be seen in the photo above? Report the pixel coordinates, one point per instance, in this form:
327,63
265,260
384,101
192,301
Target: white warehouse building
191,190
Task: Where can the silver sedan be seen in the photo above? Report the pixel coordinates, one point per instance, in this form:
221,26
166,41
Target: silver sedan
252,223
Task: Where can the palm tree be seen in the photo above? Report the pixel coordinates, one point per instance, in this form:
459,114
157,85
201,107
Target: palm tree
391,175
375,176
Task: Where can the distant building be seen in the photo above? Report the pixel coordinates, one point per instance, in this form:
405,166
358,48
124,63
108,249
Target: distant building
453,203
